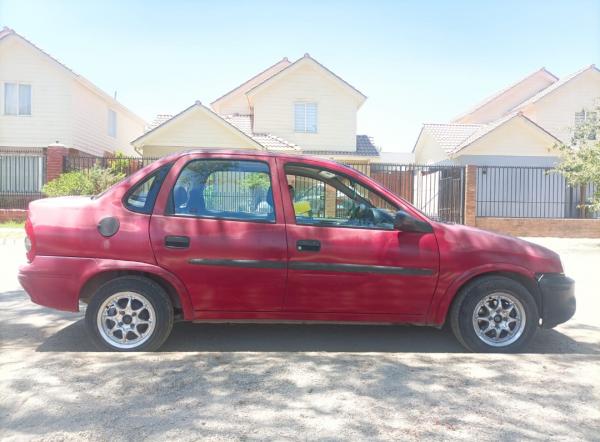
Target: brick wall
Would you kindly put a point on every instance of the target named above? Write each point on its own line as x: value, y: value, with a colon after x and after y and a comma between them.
x: 470, y: 195
x: 55, y: 155
x: 556, y: 227
x: 12, y: 215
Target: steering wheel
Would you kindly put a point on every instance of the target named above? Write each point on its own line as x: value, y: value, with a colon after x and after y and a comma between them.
x: 364, y: 214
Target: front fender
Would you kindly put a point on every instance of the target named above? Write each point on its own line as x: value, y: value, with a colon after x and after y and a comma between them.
x: 449, y: 286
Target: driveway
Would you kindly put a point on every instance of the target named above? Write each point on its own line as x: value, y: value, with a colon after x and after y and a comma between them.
x: 251, y: 382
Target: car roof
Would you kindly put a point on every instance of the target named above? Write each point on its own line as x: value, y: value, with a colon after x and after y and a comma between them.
x: 250, y: 152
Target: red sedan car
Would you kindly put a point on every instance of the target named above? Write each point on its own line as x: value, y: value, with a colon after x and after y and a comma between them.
x: 257, y: 236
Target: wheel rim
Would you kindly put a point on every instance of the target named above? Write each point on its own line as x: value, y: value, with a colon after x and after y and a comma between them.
x: 499, y: 319
x: 126, y: 320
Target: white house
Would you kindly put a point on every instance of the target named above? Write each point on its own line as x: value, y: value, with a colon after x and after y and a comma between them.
x: 520, y: 125
x: 298, y: 107
x: 43, y: 102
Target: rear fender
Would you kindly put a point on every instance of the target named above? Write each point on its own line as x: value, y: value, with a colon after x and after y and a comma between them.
x: 110, y: 265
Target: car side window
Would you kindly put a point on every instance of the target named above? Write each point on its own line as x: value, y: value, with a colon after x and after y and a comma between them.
x: 142, y: 196
x: 324, y: 198
x: 224, y: 189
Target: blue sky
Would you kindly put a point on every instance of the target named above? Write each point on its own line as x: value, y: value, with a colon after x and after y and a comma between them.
x: 417, y: 61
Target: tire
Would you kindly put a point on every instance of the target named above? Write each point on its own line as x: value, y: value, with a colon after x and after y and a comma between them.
x: 481, y: 326
x: 129, y: 313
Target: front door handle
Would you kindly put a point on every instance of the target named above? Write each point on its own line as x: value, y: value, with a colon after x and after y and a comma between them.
x: 177, y: 242
x: 308, y: 245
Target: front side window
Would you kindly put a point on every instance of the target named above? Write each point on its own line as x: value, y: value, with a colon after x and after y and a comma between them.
x: 305, y: 117
x: 324, y: 198
x: 224, y: 189
x: 112, y: 123
x: 17, y: 99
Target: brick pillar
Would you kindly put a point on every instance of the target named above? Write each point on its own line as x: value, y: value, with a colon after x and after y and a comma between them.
x: 470, y: 195
x: 55, y: 154
x: 330, y: 201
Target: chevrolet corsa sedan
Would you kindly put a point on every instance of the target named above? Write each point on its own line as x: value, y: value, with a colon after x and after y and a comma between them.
x: 213, y: 235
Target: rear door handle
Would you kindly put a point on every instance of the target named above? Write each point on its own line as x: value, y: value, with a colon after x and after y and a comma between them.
x: 308, y: 245
x: 177, y: 242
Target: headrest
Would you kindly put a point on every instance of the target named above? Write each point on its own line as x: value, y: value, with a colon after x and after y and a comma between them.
x: 196, y: 202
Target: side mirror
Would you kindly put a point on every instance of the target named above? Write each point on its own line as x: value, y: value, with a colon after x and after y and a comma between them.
x: 406, y: 223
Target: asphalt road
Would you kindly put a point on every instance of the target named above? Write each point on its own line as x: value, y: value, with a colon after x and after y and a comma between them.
x: 251, y: 382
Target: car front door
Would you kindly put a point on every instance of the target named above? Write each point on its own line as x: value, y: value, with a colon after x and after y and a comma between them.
x: 344, y: 255
x: 219, y: 227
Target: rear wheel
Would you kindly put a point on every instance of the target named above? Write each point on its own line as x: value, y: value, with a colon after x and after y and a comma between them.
x: 494, y: 314
x: 129, y: 313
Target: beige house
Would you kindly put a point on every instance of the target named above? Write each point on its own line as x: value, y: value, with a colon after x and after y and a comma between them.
x: 519, y: 126
x: 299, y: 107
x: 43, y: 102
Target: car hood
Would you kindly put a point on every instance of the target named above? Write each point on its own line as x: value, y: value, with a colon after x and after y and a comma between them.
x: 493, y: 248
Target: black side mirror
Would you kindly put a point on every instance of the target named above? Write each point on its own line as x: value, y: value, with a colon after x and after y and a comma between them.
x: 406, y: 223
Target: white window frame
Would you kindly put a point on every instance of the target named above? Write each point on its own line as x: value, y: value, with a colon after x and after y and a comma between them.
x: 584, y: 116
x: 111, y: 123
x: 18, y: 85
x: 304, y: 126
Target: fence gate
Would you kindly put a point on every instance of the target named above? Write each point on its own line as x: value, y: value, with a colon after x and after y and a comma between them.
x: 22, y: 175
x: 437, y: 191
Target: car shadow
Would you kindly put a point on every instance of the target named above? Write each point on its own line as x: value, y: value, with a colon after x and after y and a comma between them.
x: 197, y: 337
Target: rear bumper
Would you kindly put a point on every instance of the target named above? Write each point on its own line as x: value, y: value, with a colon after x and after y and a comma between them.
x: 558, y: 299
x: 54, y: 281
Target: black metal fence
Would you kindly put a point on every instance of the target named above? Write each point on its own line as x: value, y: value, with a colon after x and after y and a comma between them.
x: 438, y: 191
x: 124, y: 165
x: 530, y: 192
x: 22, y: 175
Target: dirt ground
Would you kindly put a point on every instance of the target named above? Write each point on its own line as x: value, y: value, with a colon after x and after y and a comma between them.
x: 330, y: 382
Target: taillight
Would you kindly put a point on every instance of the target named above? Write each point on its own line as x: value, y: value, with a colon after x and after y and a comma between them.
x: 29, y: 240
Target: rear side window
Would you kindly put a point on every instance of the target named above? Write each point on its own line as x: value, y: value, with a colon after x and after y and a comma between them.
x: 224, y: 189
x: 142, y: 196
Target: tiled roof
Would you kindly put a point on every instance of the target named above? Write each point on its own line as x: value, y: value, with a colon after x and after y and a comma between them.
x: 269, y: 141
x: 455, y: 137
x: 5, y: 31
x: 543, y: 71
x: 158, y: 120
x: 450, y: 136
x: 484, y: 130
x: 258, y: 78
x: 554, y: 86
x: 364, y: 148
x: 305, y: 58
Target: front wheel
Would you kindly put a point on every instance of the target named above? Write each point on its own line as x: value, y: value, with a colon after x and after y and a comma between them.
x: 129, y: 313
x: 494, y: 314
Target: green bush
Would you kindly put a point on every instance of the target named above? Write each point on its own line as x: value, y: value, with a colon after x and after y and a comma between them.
x: 82, y: 182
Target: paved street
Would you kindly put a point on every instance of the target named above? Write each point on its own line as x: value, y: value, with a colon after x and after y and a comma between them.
x: 252, y: 382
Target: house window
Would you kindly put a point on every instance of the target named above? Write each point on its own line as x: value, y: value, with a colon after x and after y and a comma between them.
x: 584, y: 117
x: 305, y: 117
x: 112, y: 123
x: 17, y: 99
x: 585, y: 125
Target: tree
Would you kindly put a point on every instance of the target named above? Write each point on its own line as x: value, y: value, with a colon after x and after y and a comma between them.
x: 580, y: 160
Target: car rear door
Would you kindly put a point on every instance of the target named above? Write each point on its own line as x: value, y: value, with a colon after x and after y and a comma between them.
x: 218, y: 226
x: 359, y: 266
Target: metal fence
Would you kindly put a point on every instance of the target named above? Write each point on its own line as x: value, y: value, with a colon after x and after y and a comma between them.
x: 22, y: 175
x: 124, y: 165
x: 529, y: 192
x: 437, y: 191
